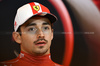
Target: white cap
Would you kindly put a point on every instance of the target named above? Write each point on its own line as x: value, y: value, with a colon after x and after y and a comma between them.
x: 29, y: 10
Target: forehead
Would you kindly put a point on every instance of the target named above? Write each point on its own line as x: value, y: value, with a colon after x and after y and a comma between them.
x: 37, y: 20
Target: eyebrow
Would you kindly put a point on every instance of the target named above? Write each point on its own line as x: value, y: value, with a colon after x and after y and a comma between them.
x: 31, y: 24
x: 46, y: 23
x: 34, y: 24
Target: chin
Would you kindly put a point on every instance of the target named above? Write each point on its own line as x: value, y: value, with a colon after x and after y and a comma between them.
x: 43, y: 51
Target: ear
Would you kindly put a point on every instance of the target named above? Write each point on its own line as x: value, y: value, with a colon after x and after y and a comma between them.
x: 52, y: 34
x: 17, y: 37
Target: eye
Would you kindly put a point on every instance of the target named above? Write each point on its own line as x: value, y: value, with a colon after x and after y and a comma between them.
x: 31, y: 29
x: 46, y: 28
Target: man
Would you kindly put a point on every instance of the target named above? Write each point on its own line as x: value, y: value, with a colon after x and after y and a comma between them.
x: 33, y: 31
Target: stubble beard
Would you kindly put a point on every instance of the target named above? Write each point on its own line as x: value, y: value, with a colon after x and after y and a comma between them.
x: 41, y: 51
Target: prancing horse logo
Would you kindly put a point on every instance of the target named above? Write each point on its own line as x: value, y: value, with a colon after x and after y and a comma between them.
x: 36, y: 7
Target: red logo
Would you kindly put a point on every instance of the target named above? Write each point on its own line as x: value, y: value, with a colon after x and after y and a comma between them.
x: 15, y: 24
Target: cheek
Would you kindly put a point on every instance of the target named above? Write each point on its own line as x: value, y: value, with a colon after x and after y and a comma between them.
x: 49, y: 37
x: 27, y: 40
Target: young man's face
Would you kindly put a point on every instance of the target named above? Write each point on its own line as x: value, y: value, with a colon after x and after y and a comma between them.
x: 36, y: 36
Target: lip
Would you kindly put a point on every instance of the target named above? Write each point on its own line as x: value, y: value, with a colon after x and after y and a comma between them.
x: 40, y: 43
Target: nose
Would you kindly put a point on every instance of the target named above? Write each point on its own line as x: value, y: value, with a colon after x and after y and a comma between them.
x: 40, y: 34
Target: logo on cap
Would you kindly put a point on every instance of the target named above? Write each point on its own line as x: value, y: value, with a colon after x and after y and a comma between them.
x: 36, y: 7
x: 15, y: 24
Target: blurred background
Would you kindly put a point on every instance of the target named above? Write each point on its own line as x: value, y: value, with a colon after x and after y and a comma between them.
x: 85, y: 20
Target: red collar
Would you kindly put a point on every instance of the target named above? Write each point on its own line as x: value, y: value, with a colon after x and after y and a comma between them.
x: 36, y: 59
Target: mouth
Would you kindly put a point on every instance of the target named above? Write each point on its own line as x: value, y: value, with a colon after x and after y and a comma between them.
x: 40, y: 43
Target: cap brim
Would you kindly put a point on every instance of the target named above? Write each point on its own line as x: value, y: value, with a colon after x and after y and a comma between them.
x: 50, y: 16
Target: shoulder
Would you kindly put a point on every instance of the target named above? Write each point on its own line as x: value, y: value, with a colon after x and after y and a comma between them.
x: 9, y: 62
